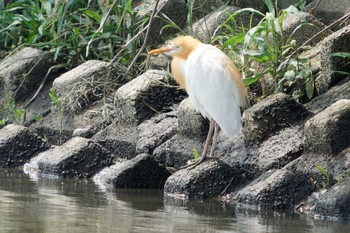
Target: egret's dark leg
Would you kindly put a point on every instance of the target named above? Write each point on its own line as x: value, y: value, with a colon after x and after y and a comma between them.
x: 206, y: 145
x: 215, y: 137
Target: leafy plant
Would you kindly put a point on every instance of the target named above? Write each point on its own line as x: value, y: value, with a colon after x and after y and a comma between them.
x: 265, y: 51
x: 328, y: 178
x: 55, y: 101
x: 3, y: 122
x: 195, y: 153
x: 341, y: 54
x: 10, y: 113
x: 72, y: 31
x: 45, y: 138
x: 301, y: 4
x: 342, y: 175
x: 296, y: 75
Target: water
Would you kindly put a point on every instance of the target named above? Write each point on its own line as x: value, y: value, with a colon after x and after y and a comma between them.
x: 36, y: 205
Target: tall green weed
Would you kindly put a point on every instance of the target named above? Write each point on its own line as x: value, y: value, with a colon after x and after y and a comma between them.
x: 264, y: 51
x: 69, y: 29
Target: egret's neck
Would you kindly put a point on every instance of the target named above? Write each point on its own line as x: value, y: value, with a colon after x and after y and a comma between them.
x: 183, y: 54
x: 178, y: 71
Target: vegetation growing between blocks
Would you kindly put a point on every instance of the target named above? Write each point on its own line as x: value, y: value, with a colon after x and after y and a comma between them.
x: 72, y: 32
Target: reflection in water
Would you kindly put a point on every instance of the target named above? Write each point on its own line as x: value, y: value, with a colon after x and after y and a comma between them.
x: 51, y: 205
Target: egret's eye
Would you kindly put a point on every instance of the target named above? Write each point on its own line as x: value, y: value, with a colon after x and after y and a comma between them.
x: 169, y: 44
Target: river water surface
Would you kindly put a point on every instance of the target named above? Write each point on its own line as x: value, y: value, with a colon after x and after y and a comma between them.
x: 43, y: 205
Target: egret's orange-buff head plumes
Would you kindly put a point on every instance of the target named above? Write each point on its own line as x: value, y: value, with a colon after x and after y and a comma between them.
x: 179, y: 47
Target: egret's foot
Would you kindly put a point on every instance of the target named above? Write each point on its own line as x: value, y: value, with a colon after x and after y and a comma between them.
x: 195, y: 164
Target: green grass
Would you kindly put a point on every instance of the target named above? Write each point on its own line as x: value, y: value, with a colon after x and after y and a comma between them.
x: 195, y: 153
x: 71, y: 31
x: 264, y: 52
x: 10, y: 113
x: 327, y: 176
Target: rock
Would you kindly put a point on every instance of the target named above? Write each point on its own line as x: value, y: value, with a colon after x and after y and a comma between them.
x: 336, y: 42
x: 274, y: 153
x: 141, y: 98
x: 119, y: 140
x: 229, y: 145
x: 177, y: 151
x: 328, y: 11
x: 155, y: 131
x: 319, y: 103
x: 291, y: 22
x: 78, y: 157
x: 18, y: 145
x: 327, y: 132
x: 87, y: 132
x: 218, y: 22
x: 209, y: 179
x: 53, y: 135
x: 190, y: 122
x: 270, y: 115
x: 41, y: 105
x: 240, y: 157
x: 22, y: 72
x: 260, y: 6
x: 281, y: 149
x: 284, y: 4
x: 277, y: 189
x: 204, y: 7
x: 175, y: 10
x: 340, y: 166
x: 159, y: 62
x: 334, y: 203
x: 84, y: 84
x: 59, y: 126
x: 143, y: 171
x: 210, y: 25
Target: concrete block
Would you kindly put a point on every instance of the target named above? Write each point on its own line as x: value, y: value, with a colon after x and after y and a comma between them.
x: 18, y: 145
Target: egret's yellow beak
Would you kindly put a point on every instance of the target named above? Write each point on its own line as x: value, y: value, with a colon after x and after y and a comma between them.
x: 160, y: 50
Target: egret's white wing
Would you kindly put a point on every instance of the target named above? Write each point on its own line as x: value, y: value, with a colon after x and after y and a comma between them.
x: 211, y: 88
